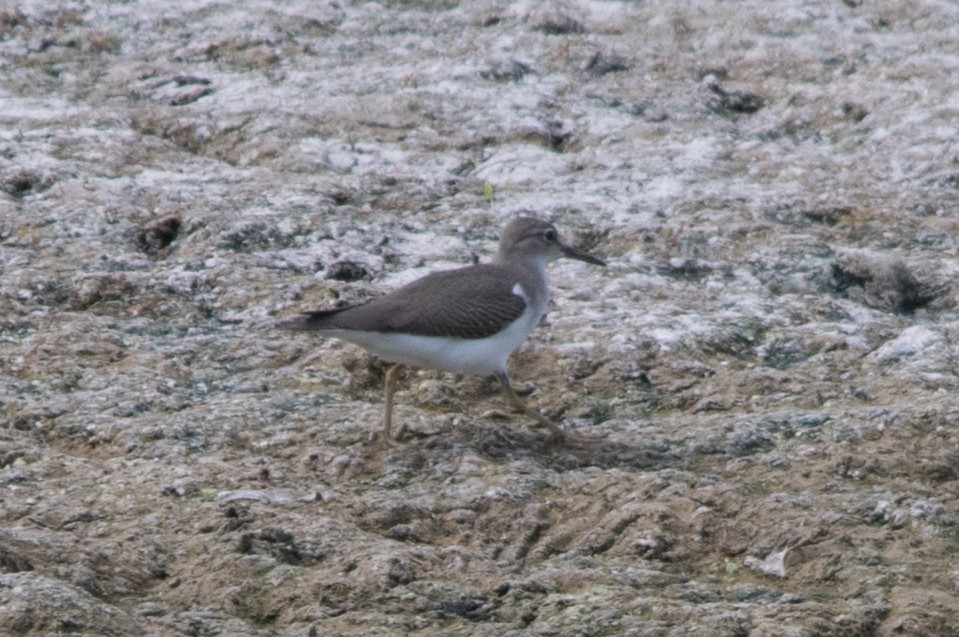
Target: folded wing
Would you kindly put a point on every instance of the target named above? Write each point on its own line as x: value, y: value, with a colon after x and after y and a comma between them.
x: 473, y: 302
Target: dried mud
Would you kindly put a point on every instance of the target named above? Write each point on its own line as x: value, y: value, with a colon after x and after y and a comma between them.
x: 770, y: 355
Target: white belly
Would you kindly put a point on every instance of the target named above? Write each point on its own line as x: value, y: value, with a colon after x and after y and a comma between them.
x: 481, y: 356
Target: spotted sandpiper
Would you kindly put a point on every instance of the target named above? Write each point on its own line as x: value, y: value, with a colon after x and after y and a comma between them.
x: 467, y: 320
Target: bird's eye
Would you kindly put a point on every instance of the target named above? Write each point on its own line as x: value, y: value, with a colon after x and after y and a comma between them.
x: 550, y: 235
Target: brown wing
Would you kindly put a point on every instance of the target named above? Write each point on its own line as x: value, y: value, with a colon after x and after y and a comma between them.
x: 471, y: 302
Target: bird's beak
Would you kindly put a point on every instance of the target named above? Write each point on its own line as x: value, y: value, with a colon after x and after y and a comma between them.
x: 580, y: 255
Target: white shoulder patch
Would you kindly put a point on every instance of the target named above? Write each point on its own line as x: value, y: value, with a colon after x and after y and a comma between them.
x: 518, y: 291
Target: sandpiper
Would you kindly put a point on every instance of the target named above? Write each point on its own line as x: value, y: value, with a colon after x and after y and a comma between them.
x: 468, y: 320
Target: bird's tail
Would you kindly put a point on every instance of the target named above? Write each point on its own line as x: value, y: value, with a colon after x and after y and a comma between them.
x: 317, y: 320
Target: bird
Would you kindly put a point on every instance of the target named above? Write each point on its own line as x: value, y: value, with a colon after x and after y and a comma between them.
x: 466, y: 320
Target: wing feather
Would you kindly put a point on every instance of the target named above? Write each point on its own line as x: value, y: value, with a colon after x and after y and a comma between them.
x: 472, y: 302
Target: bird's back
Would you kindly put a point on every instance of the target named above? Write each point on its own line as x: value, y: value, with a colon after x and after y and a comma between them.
x: 472, y: 303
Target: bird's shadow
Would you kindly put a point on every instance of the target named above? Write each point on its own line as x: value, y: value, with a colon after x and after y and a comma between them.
x: 505, y: 443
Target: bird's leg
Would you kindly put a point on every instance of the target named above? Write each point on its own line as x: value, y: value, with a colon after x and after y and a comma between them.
x: 559, y: 434
x: 519, y: 404
x: 391, y: 375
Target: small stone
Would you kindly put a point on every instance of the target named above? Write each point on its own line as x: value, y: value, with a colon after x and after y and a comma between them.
x: 159, y: 235
x: 506, y: 71
x: 348, y: 271
x: 773, y: 564
x: 600, y: 64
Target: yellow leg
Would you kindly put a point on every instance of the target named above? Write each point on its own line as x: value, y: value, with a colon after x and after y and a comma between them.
x: 391, y: 375
x: 558, y: 433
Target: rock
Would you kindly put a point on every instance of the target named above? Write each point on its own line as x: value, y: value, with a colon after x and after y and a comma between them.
x: 773, y: 564
x: 879, y: 282
x: 34, y: 604
x: 506, y: 70
x: 159, y: 235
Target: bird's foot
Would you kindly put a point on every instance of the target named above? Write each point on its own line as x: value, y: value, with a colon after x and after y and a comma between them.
x: 388, y: 438
x: 562, y: 437
x: 558, y: 435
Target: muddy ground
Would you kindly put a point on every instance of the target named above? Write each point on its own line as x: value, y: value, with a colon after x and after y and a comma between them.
x: 771, y: 354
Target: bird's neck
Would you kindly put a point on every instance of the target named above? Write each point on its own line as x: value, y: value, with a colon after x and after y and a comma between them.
x: 533, y: 264
x: 530, y: 272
